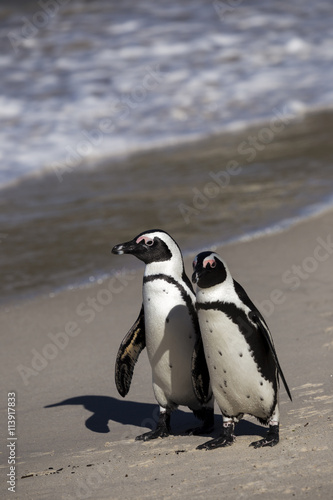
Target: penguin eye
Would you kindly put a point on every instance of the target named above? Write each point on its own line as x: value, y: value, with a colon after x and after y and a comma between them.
x: 213, y: 264
x: 149, y: 243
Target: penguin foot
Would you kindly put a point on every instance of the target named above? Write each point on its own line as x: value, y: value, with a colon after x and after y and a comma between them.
x: 219, y: 442
x: 271, y: 439
x: 226, y: 439
x: 162, y: 430
x: 157, y: 433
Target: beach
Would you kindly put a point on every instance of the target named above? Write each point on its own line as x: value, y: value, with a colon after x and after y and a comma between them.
x: 209, y: 121
x: 75, y: 434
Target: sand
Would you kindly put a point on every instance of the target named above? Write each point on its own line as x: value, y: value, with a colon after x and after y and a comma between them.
x: 75, y: 434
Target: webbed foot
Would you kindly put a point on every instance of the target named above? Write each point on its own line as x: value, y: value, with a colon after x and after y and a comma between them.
x: 154, y: 434
x: 162, y: 430
x: 226, y: 439
x: 271, y: 439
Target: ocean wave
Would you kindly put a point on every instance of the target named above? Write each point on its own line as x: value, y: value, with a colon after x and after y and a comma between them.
x: 152, y: 77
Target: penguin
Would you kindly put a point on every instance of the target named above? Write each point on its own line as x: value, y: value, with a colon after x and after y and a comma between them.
x: 168, y: 327
x: 242, y: 361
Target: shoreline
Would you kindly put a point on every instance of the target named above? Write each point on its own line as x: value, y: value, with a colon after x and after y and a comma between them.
x: 59, y: 234
x: 85, y: 283
x: 300, y: 121
x: 76, y: 434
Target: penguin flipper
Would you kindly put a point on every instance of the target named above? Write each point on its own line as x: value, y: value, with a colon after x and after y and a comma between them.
x: 262, y: 327
x: 128, y: 353
x: 257, y: 318
x: 200, y: 373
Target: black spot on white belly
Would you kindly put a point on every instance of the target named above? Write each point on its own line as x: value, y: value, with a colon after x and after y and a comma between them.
x: 214, y: 367
x: 248, y: 397
x: 224, y: 371
x: 225, y: 383
x: 220, y: 353
x: 261, y: 383
x: 240, y: 355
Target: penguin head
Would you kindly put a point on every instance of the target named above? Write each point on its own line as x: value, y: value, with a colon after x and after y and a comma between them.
x: 150, y: 246
x: 208, y: 270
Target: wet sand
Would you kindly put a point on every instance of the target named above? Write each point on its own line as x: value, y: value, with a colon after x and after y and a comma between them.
x: 55, y: 234
x: 75, y: 434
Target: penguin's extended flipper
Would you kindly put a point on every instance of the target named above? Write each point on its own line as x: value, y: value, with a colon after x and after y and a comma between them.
x: 263, y: 328
x: 130, y: 348
x: 200, y: 373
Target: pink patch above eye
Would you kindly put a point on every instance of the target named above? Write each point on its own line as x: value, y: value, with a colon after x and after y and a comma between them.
x: 143, y: 238
x: 209, y: 261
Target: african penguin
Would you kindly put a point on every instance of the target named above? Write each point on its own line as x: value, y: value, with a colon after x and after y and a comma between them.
x: 243, y: 365
x: 168, y: 326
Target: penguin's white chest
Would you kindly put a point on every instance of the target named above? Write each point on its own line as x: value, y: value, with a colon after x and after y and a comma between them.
x: 237, y: 383
x: 170, y: 339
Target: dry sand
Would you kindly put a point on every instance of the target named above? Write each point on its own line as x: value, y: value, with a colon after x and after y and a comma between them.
x: 82, y: 445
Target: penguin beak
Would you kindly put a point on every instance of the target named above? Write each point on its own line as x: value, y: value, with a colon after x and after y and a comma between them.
x: 128, y: 247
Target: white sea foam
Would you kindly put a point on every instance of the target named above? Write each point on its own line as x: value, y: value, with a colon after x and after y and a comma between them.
x: 211, y: 75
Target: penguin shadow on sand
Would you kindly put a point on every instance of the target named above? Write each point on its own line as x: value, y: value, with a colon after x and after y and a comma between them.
x: 144, y: 415
x: 106, y: 408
